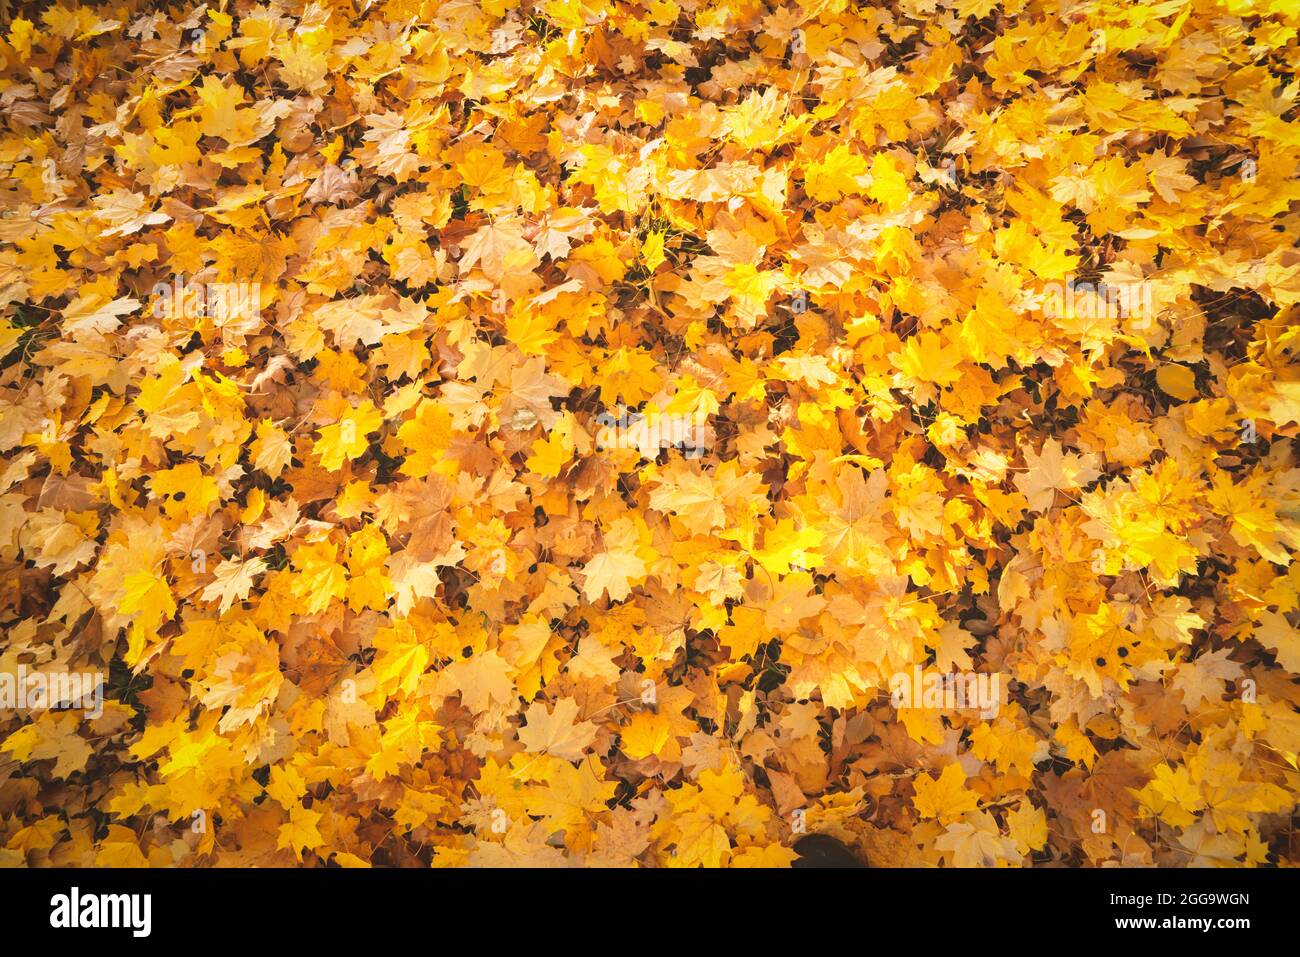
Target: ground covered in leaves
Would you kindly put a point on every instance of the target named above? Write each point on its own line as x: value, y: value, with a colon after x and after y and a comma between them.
x: 369, y: 587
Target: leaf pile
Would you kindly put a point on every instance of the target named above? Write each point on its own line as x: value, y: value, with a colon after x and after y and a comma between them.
x: 368, y: 586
